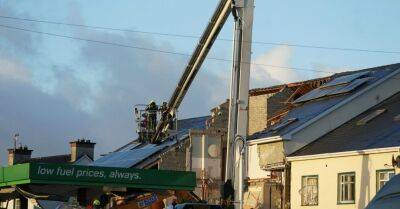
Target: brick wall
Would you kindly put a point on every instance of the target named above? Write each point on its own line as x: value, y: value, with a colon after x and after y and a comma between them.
x: 219, y: 117
x: 263, y: 107
x: 257, y: 113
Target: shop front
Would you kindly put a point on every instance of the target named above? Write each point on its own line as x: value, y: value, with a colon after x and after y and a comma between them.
x: 36, y: 185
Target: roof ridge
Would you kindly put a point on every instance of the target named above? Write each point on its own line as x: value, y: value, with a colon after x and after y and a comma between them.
x: 51, y: 156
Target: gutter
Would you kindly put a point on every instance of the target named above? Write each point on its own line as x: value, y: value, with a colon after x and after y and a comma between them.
x: 344, y: 154
x: 265, y: 140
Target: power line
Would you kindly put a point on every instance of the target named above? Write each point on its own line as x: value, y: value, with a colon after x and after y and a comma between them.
x: 197, y: 37
x: 155, y: 50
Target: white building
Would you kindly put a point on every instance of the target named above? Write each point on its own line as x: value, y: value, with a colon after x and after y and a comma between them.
x: 348, y: 166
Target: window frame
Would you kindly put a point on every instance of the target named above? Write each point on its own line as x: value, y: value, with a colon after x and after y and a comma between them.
x: 377, y: 177
x: 339, y: 202
x: 301, y: 195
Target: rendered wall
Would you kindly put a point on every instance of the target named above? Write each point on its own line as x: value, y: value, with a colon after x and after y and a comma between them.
x: 327, y: 169
x: 271, y: 154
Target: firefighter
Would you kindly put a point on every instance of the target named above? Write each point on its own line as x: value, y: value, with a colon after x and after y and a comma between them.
x: 151, y: 116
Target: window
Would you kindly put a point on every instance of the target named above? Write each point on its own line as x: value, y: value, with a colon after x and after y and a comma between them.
x: 309, y: 190
x: 346, y: 188
x: 383, y: 176
x: 17, y: 203
x: 371, y: 116
x: 397, y: 118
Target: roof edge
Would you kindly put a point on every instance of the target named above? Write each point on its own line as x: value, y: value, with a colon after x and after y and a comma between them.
x: 344, y: 154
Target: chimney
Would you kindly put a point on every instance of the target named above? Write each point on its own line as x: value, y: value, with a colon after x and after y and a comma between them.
x: 19, y: 155
x: 80, y: 148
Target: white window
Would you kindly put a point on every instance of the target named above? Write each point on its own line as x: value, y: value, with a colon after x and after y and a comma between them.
x: 382, y: 177
x: 346, y: 188
x: 17, y: 203
x: 309, y: 190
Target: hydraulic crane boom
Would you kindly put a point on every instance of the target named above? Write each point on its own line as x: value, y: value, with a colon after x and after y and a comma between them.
x: 196, y: 60
x: 242, y: 11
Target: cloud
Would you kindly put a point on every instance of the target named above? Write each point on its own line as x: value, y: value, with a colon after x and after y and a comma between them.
x: 45, y: 122
x: 12, y: 70
x: 22, y: 42
x: 92, y: 95
x: 266, y: 74
x: 328, y: 68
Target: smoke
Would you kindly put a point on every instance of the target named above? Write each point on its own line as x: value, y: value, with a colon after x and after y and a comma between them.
x: 268, y: 74
x: 13, y: 70
x: 51, y: 101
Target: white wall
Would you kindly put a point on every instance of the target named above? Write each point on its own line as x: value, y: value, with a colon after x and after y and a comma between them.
x: 327, y: 169
x: 254, y: 170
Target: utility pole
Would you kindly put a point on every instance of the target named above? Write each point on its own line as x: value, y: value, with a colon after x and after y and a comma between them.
x: 236, y: 162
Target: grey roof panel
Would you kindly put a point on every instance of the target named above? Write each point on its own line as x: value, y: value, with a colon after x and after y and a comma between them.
x: 345, y: 79
x: 353, y: 85
x: 50, y: 159
x: 129, y: 146
x: 127, y: 158
x: 324, y: 91
x: 303, y: 114
x: 134, y: 152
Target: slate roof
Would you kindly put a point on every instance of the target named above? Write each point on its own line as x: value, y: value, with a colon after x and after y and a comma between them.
x: 134, y: 152
x: 380, y: 132
x: 51, y: 159
x: 308, y: 110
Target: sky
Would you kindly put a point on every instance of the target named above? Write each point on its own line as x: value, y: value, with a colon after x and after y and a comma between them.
x: 54, y: 89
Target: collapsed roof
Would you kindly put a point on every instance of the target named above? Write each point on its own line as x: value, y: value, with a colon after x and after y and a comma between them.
x: 377, y: 127
x: 317, y: 101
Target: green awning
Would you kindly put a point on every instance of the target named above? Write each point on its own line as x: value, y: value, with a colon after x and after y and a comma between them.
x: 38, y: 173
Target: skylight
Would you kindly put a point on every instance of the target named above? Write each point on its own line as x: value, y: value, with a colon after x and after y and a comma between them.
x: 345, y: 79
x: 333, y: 90
x: 397, y: 117
x: 371, y: 116
x: 284, y: 124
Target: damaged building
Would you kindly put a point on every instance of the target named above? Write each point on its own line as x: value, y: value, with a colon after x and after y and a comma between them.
x: 307, y: 118
x: 199, y: 144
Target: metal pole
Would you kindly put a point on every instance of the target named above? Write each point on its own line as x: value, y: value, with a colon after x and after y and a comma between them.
x: 239, y: 98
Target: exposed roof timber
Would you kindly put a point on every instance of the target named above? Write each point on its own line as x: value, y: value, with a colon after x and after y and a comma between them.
x: 301, y: 90
x: 274, y: 89
x: 278, y: 116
